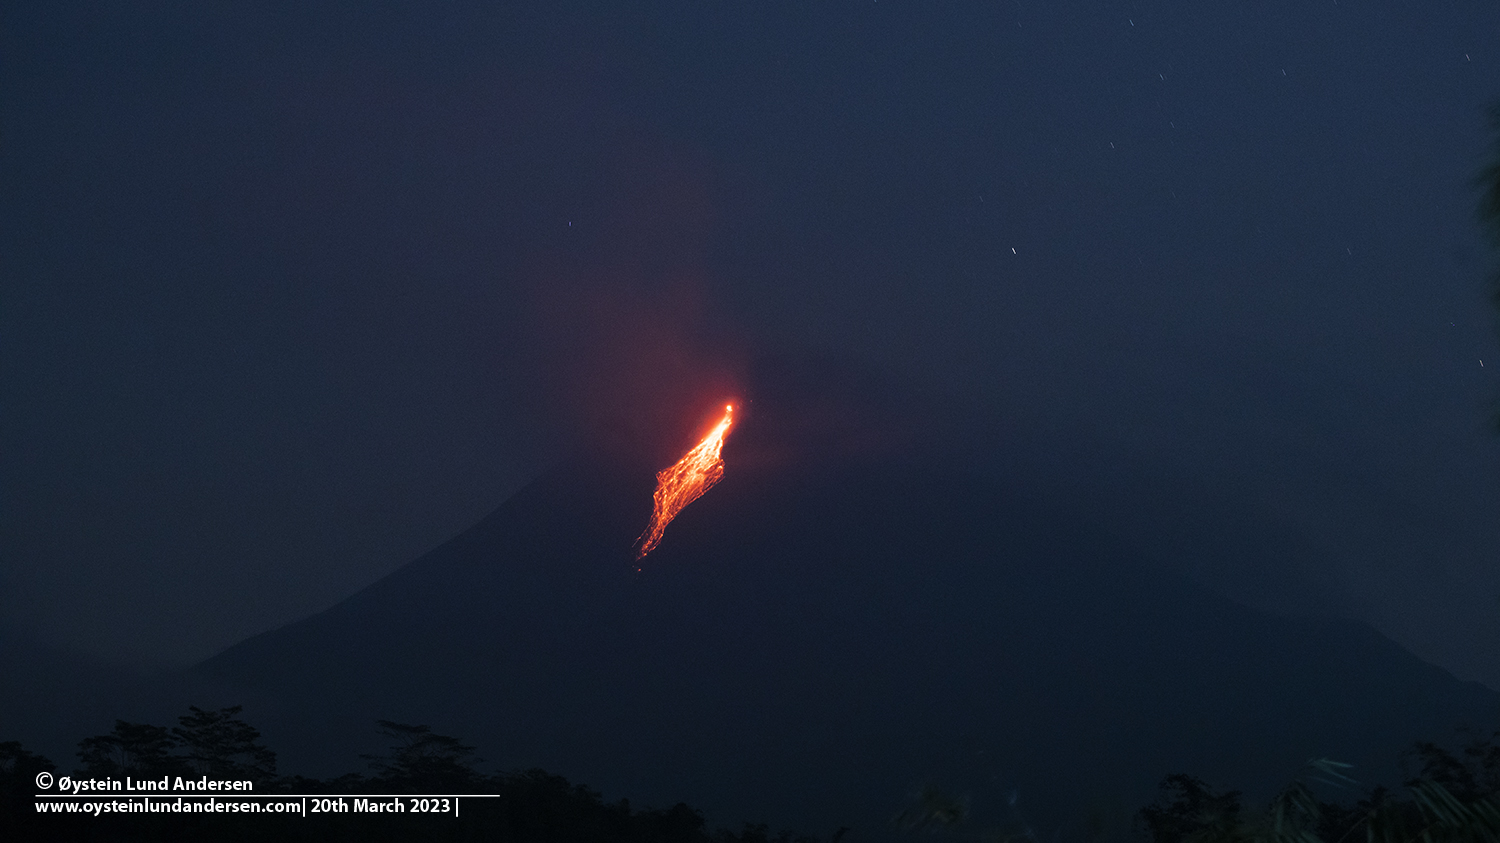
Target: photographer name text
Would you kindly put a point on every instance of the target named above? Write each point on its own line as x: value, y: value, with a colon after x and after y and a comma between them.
x: 165, y: 784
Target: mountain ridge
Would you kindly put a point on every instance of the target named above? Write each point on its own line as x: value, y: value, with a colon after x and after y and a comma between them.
x: 806, y: 646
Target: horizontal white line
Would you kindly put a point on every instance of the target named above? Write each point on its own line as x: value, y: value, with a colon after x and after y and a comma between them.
x: 233, y: 795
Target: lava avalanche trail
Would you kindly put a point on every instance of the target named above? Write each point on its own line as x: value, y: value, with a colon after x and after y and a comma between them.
x: 686, y: 481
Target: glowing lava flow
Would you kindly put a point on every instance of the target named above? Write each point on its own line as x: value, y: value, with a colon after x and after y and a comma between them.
x: 686, y: 481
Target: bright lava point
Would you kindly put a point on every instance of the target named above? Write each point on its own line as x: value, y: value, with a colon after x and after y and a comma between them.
x: 686, y: 481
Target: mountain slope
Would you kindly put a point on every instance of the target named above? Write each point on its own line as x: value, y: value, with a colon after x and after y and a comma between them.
x: 809, y: 644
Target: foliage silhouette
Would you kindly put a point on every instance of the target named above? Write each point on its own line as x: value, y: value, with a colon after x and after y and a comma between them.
x: 423, y: 760
x: 218, y: 744
x: 1453, y: 799
x: 533, y: 805
x: 932, y: 810
x: 18, y: 772
x: 1189, y: 810
x: 138, y: 750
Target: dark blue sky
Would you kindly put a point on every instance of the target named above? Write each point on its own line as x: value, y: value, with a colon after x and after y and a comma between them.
x: 293, y: 294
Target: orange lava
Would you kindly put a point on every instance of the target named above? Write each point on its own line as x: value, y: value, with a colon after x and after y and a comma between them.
x: 686, y: 481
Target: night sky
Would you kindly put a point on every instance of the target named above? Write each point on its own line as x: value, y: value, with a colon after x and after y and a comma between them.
x: 293, y: 293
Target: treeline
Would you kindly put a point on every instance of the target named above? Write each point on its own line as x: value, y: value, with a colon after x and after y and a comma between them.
x: 533, y: 805
x: 1451, y: 796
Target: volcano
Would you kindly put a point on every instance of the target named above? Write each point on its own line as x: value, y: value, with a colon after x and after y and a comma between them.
x: 816, y: 639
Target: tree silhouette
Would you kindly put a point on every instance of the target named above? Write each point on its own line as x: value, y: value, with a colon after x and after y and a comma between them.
x: 1188, y: 810
x: 220, y: 745
x: 1452, y: 800
x: 423, y: 760
x: 534, y: 806
x: 932, y: 810
x: 1471, y: 774
x: 139, y: 750
x: 18, y: 772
